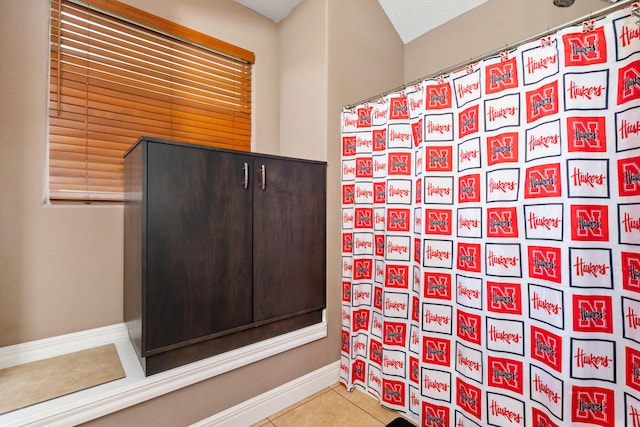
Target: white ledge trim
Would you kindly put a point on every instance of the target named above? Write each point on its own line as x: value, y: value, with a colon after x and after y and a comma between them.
x: 138, y: 390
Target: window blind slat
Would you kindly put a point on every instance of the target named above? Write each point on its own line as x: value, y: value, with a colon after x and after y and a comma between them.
x: 148, y: 51
x: 75, y: 86
x: 112, y: 81
x: 100, y: 44
x: 103, y: 75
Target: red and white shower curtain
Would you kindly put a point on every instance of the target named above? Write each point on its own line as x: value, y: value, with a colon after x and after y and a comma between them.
x: 491, y: 238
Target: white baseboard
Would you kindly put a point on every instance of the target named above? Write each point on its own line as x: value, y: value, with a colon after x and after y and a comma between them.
x: 135, y: 388
x: 260, y: 407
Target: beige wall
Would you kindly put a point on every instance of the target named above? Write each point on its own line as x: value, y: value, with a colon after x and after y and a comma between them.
x: 489, y: 27
x: 303, y: 81
x: 60, y: 266
x: 365, y: 55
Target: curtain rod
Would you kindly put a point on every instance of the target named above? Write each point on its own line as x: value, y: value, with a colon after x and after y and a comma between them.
x: 598, y: 14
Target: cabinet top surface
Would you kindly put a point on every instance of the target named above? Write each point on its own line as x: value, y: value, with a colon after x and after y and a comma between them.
x: 145, y: 140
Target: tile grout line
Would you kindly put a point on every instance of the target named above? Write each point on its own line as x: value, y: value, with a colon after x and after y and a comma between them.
x: 363, y: 409
x: 297, y: 405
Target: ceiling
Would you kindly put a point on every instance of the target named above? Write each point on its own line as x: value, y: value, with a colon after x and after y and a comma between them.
x: 410, y: 18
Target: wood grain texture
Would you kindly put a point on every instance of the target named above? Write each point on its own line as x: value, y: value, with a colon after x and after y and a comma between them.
x: 214, y: 260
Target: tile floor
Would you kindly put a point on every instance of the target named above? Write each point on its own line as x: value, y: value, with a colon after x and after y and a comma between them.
x: 333, y: 406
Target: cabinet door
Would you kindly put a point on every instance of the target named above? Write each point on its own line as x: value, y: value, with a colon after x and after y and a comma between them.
x: 198, y: 256
x: 289, y: 238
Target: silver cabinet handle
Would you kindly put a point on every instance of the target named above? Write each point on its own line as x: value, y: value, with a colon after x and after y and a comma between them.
x: 245, y: 184
x: 263, y: 177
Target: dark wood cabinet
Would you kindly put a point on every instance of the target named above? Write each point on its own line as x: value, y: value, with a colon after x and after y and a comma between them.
x: 288, y: 238
x: 222, y: 249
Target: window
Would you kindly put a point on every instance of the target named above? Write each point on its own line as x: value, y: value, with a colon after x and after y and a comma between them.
x: 118, y: 73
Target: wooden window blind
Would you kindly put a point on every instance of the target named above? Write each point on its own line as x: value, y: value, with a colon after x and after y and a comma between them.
x: 118, y: 73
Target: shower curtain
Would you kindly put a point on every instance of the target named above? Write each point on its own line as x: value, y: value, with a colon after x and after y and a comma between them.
x: 491, y: 237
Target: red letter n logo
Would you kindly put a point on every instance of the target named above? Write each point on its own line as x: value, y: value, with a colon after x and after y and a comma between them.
x: 585, y: 48
x: 546, y: 348
x: 438, y: 97
x: 542, y: 102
